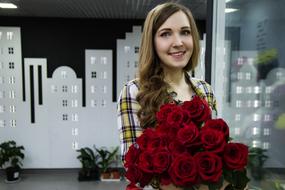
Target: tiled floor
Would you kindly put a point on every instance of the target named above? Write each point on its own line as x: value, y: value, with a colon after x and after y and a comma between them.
x: 60, y: 181
x: 68, y: 181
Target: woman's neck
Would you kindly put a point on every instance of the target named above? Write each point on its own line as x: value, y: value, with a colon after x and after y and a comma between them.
x: 175, y: 78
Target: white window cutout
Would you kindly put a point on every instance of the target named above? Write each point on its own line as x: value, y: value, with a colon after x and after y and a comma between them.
x: 267, y: 117
x: 12, y: 109
x: 237, y: 117
x: 12, y: 80
x: 256, y: 117
x: 92, y: 60
x: 74, y: 132
x: 103, y: 60
x: 53, y: 88
x: 255, y: 131
x: 127, y: 49
x: 63, y: 74
x: 237, y: 131
x: 238, y: 103
x: 266, y: 131
x: 10, y: 35
x: 74, y: 88
x: 0, y: 35
x: 74, y: 117
x: 75, y: 145
x: 266, y: 145
x: 13, y: 123
x: 74, y: 103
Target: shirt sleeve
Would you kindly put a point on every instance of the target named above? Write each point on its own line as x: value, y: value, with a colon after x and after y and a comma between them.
x: 128, y: 124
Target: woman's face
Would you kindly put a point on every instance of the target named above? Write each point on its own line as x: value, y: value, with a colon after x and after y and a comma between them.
x: 173, y: 42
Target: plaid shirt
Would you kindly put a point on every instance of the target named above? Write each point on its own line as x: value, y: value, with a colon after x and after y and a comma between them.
x: 127, y: 109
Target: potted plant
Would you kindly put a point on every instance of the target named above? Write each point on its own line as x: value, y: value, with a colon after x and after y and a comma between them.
x: 11, y: 156
x: 106, y: 159
x: 90, y: 169
x: 256, y: 161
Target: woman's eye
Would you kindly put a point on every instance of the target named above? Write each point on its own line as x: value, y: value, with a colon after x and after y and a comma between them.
x: 186, y: 32
x: 165, y: 34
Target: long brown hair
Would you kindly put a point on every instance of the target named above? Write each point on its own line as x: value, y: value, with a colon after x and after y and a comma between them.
x: 153, y: 90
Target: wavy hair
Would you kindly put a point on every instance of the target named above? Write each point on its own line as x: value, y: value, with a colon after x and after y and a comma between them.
x: 153, y: 90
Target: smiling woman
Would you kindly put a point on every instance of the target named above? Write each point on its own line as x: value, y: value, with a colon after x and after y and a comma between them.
x: 169, y: 50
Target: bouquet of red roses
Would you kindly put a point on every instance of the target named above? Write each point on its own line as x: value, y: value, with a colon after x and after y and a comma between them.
x: 187, y: 148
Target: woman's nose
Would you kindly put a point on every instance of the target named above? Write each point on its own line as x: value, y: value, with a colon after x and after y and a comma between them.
x: 177, y: 40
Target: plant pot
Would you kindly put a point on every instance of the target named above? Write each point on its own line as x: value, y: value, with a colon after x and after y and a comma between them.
x: 106, y: 175
x: 116, y: 175
x: 89, y: 175
x: 257, y: 173
x: 12, y: 174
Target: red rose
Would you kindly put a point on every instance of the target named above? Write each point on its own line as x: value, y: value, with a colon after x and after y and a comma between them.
x: 209, y: 166
x: 198, y: 110
x: 218, y: 124
x: 163, y: 112
x: 161, y: 160
x: 183, y: 170
x: 157, y: 141
x: 132, y: 155
x: 133, y: 174
x: 169, y: 131
x: 175, y: 147
x: 133, y: 187
x: 188, y: 135
x: 213, y: 140
x: 176, y: 116
x: 144, y: 138
x: 145, y: 162
x: 235, y: 156
x: 165, y: 179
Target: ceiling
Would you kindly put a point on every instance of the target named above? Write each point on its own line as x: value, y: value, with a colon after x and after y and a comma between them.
x: 109, y: 9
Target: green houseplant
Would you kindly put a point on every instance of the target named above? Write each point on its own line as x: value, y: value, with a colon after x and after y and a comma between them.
x: 256, y: 161
x: 11, y: 156
x: 90, y: 169
x: 106, y: 159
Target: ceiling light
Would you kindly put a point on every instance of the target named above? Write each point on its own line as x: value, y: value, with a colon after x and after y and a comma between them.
x: 8, y: 6
x: 230, y: 10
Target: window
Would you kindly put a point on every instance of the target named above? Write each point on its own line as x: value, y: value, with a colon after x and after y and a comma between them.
x: 93, y: 89
x: 12, y: 109
x: 74, y: 117
x: 64, y: 88
x: 64, y: 103
x: 1, y: 80
x: 9, y: 35
x: 74, y: 89
x: 74, y: 103
x: 93, y: 74
x: 11, y: 65
x: 137, y: 49
x: 64, y: 117
x: 103, y: 60
x: 93, y: 103
x: 74, y: 131
x: 13, y: 123
x: 92, y: 60
x: 12, y: 80
x: 63, y: 74
x: 75, y: 145
x: 10, y: 50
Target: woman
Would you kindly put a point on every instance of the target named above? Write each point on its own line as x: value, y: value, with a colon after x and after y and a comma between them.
x: 169, y: 50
